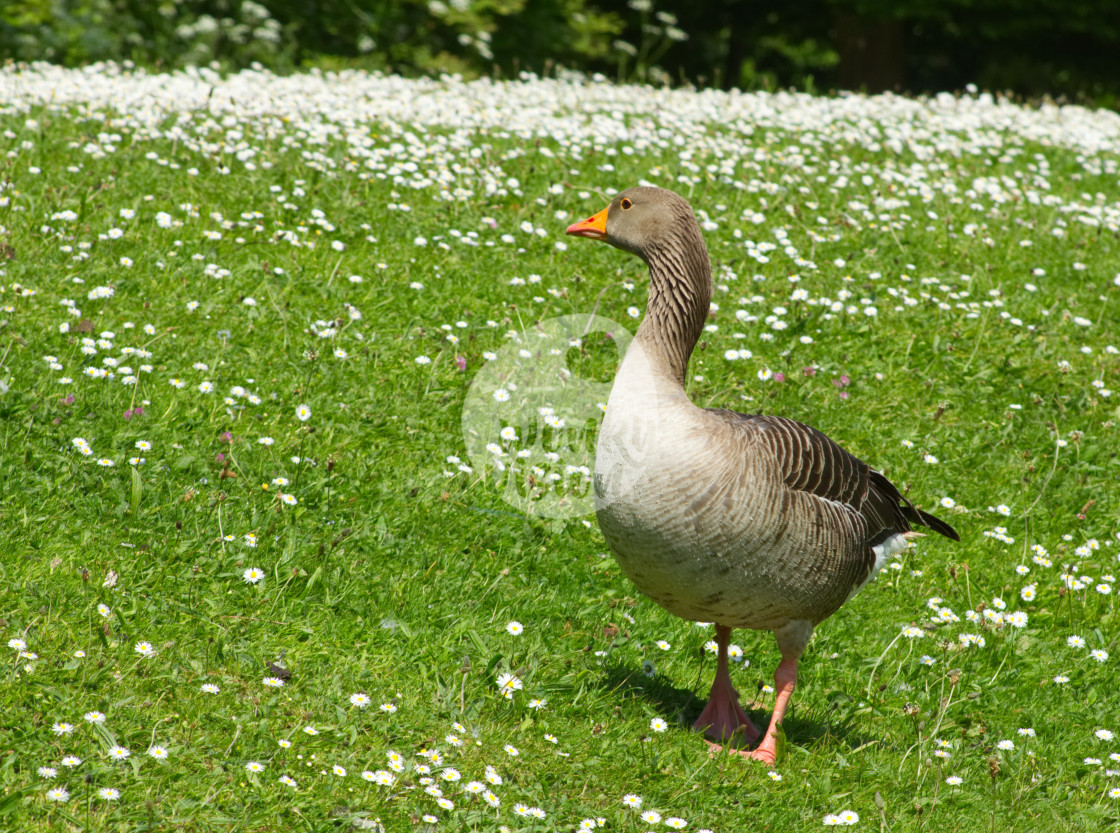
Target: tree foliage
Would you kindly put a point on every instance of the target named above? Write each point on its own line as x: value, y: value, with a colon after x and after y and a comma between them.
x: 1034, y: 47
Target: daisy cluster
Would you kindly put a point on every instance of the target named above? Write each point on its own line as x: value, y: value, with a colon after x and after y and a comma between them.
x: 94, y: 737
x: 112, y: 368
x: 1045, y: 581
x: 895, y: 185
x: 450, y: 781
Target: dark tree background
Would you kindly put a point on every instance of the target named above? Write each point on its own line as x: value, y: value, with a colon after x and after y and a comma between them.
x: 1032, y: 47
x: 1061, y: 48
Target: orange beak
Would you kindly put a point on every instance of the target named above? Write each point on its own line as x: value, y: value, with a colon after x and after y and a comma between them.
x: 593, y: 227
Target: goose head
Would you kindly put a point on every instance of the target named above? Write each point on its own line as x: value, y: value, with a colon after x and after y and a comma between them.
x: 659, y: 227
x: 642, y: 221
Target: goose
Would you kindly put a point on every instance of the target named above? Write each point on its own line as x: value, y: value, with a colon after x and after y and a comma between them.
x: 744, y: 520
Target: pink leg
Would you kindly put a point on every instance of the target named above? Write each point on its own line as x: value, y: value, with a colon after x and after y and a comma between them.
x: 723, y: 716
x: 792, y: 639
x: 785, y: 678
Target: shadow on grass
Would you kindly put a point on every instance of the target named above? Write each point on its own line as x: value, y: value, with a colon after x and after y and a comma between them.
x: 682, y: 707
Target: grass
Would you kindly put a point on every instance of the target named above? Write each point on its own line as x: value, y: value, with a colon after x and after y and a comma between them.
x: 983, y: 383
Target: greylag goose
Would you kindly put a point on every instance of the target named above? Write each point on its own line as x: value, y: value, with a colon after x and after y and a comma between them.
x: 745, y: 520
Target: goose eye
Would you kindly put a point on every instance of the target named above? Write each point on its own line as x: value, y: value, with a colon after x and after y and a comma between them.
x: 625, y: 204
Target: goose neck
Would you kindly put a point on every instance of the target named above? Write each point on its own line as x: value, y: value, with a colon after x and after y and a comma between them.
x: 680, y: 296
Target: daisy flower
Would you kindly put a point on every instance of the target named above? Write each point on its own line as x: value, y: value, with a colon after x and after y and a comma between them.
x: 254, y: 766
x: 360, y: 700
x: 508, y: 684
x: 515, y: 628
x: 108, y: 794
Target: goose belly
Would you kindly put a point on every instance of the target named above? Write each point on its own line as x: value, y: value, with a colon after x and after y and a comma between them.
x: 687, y: 550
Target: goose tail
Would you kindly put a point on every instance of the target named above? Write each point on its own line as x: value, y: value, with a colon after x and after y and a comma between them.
x: 932, y: 522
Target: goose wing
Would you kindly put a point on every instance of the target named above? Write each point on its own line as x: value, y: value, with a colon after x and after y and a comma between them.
x: 808, y: 461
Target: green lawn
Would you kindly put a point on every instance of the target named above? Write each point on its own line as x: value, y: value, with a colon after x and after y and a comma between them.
x: 239, y: 319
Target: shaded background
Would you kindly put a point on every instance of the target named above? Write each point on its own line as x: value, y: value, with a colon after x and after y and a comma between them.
x: 1061, y: 48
